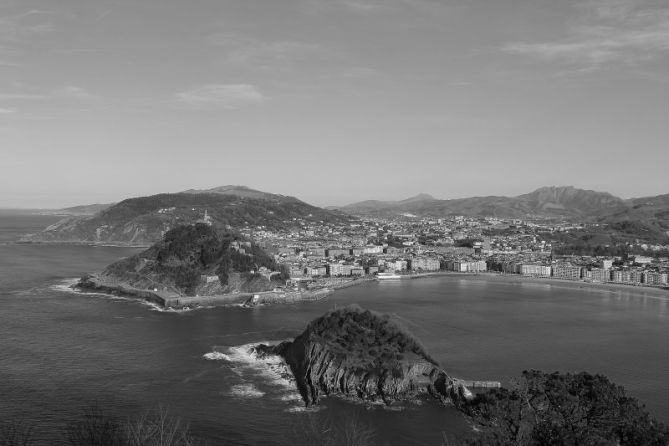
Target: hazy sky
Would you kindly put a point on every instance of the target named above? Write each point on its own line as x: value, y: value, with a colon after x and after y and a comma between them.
x: 332, y: 101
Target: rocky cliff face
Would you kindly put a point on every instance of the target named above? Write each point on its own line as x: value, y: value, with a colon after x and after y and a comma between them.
x: 362, y: 354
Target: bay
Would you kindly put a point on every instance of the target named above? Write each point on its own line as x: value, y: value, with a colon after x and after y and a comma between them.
x: 62, y: 351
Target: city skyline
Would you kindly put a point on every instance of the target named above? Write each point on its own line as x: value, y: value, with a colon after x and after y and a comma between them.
x: 331, y: 101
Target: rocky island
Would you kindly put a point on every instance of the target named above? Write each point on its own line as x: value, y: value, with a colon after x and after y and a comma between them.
x: 366, y: 356
x: 191, y: 263
x: 351, y: 352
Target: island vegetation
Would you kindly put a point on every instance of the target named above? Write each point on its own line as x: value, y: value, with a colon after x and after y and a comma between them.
x: 193, y: 259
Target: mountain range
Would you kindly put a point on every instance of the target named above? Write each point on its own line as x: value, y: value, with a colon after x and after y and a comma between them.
x: 144, y: 220
x: 646, y: 216
x: 547, y: 201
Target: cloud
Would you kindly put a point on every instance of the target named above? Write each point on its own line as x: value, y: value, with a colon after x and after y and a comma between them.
x: 7, y: 111
x: 16, y: 27
x: 72, y: 92
x: 348, y: 6
x: 221, y: 96
x: 242, y: 50
x: 627, y: 32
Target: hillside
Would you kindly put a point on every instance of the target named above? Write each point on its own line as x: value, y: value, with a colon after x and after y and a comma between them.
x: 144, y: 220
x: 87, y: 209
x: 196, y: 259
x: 646, y: 217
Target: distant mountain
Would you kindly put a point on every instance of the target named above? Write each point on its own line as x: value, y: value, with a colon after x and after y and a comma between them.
x: 551, y: 201
x: 87, y: 209
x: 382, y: 207
x: 237, y: 191
x: 144, y: 220
x: 569, y: 200
x: 645, y: 218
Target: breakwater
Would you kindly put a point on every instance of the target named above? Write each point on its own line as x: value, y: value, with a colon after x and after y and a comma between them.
x: 171, y: 299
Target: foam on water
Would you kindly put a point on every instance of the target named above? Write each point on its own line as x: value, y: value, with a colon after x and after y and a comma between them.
x: 215, y: 356
x: 65, y: 285
x: 271, y: 370
x: 246, y: 391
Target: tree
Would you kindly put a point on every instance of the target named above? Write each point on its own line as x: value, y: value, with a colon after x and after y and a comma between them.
x: 563, y: 409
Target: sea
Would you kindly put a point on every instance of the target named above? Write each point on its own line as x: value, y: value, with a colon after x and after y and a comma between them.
x: 62, y: 352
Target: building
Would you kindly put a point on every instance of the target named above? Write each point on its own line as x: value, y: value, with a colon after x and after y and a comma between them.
x: 335, y: 252
x: 654, y: 278
x: 475, y: 266
x: 598, y: 274
x: 296, y: 271
x: 606, y: 264
x: 425, y: 264
x: 314, y: 271
x: 335, y: 269
x: 566, y: 271
x: 318, y: 252
x: 373, y: 250
x: 626, y: 276
x: 535, y: 270
x: 396, y: 265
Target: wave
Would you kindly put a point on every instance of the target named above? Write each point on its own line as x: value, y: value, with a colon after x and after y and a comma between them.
x: 270, y: 370
x: 65, y: 285
x: 215, y: 356
x: 246, y: 391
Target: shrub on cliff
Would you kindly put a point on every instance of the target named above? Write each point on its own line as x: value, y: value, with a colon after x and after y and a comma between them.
x: 563, y: 409
x: 366, y: 339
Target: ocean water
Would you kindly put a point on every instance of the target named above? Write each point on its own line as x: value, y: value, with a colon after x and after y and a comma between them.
x: 62, y: 351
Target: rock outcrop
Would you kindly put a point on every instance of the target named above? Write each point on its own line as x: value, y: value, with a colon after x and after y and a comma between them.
x: 362, y: 354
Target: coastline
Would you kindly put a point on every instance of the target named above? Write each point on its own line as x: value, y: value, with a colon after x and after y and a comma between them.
x: 174, y: 300
x: 80, y: 243
x: 638, y: 288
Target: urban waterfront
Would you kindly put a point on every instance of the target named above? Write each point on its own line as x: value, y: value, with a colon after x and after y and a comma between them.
x: 65, y: 351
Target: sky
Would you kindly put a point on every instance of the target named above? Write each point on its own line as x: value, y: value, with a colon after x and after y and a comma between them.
x: 331, y: 101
